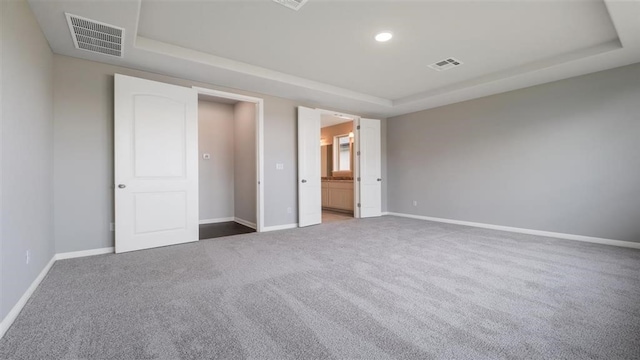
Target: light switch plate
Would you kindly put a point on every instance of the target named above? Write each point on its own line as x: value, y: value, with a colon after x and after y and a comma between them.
x: 279, y: 166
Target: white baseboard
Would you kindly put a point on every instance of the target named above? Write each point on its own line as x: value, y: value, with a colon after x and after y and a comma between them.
x: 15, y: 311
x: 385, y: 213
x: 279, y: 227
x: 77, y: 254
x: 627, y: 244
x: 245, y: 223
x: 215, y: 221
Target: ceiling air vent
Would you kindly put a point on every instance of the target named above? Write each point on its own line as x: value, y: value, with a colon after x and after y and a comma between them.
x: 292, y: 4
x: 446, y: 64
x: 95, y: 36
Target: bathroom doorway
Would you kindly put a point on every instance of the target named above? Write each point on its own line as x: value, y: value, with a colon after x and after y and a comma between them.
x: 352, y: 183
x: 337, y: 167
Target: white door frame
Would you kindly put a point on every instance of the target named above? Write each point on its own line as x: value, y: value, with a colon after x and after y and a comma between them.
x: 356, y: 158
x: 356, y: 170
x: 259, y: 144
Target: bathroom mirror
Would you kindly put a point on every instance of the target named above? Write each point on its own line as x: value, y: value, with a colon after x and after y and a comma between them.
x: 342, y: 153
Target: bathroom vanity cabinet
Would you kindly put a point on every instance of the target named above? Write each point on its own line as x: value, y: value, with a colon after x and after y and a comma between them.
x: 337, y: 195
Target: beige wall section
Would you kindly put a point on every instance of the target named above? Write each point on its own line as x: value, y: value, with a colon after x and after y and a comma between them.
x: 329, y: 132
x: 26, y: 165
x: 326, y: 160
x: 216, y: 178
x: 560, y: 157
x: 245, y: 162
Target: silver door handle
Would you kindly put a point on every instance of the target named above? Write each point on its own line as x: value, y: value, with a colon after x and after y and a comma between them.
x: 303, y: 181
x: 122, y: 186
x: 379, y: 179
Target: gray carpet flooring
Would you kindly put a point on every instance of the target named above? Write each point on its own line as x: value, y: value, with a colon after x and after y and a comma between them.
x: 363, y: 289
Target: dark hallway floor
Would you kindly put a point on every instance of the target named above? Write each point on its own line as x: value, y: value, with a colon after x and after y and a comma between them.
x: 211, y: 231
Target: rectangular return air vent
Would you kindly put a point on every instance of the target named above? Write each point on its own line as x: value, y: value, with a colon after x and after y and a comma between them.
x: 446, y: 64
x: 95, y: 36
x: 292, y: 4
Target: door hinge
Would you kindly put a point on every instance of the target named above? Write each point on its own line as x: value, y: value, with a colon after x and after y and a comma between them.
x: 358, y: 204
x: 358, y: 179
x: 358, y: 153
x: 358, y: 127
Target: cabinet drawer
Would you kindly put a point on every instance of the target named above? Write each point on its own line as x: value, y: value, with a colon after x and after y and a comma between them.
x: 340, y: 185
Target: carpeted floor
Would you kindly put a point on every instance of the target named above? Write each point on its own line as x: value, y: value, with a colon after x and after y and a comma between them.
x: 370, y: 289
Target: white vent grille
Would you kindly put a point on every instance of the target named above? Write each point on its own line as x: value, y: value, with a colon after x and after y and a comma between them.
x: 292, y: 4
x: 446, y: 64
x: 95, y: 36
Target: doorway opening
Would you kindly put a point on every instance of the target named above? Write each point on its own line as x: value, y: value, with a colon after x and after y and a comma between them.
x: 337, y: 167
x: 229, y: 163
x: 343, y: 172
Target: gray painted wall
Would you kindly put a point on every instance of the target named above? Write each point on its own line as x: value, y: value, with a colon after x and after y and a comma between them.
x: 561, y: 157
x: 83, y: 152
x: 216, y: 178
x: 26, y: 148
x: 245, y: 161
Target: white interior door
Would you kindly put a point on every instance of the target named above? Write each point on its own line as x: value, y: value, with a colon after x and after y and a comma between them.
x: 370, y: 168
x: 156, y: 164
x: 309, y: 184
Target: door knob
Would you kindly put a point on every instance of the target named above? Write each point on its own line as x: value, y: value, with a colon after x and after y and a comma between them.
x: 379, y: 179
x: 122, y: 186
x: 304, y: 181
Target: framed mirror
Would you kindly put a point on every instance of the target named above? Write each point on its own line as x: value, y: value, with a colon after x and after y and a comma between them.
x: 342, y: 153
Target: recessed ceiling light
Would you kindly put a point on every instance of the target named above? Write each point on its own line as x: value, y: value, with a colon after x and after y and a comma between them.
x: 384, y: 36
